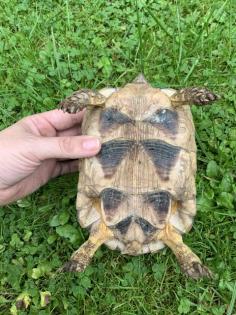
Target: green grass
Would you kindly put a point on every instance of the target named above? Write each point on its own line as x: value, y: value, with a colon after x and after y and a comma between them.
x: 50, y: 48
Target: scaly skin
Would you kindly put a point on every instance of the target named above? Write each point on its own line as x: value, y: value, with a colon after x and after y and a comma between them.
x: 193, y: 95
x: 82, y: 257
x: 80, y: 100
x: 190, y: 264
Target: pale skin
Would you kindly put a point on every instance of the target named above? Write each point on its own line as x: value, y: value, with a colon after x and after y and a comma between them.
x: 38, y: 148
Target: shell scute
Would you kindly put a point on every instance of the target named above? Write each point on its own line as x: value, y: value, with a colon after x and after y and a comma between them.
x: 111, y: 118
x: 165, y: 119
x: 112, y: 153
x: 163, y: 155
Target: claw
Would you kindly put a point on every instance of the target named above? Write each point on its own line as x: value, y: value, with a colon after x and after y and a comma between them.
x: 197, y: 270
x: 71, y: 266
x: 194, y: 95
x: 80, y: 100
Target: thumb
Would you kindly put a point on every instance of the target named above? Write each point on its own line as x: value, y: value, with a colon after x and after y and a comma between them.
x: 67, y: 147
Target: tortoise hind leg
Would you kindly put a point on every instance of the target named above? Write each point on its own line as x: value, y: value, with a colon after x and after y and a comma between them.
x: 189, y: 262
x: 81, y: 258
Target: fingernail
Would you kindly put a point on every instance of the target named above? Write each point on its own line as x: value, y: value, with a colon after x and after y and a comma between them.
x: 91, y: 144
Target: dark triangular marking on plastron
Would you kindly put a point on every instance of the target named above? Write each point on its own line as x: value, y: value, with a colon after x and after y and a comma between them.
x: 111, y: 117
x: 123, y: 225
x: 163, y: 155
x: 112, y: 153
x: 111, y: 199
x: 160, y: 201
x: 164, y: 119
x: 146, y: 227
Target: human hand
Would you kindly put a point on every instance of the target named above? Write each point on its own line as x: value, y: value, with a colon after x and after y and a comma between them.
x: 40, y: 147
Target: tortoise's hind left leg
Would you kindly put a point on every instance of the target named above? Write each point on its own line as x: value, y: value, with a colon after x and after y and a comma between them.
x: 189, y: 262
x: 81, y: 258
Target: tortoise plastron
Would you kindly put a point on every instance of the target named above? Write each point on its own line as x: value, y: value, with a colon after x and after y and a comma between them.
x: 138, y: 194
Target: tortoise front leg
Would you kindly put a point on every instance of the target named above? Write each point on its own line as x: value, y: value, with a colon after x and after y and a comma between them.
x: 81, y: 258
x: 81, y: 99
x: 193, y: 95
x: 189, y: 262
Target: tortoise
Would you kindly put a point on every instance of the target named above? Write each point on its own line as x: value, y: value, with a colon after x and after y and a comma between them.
x: 138, y: 193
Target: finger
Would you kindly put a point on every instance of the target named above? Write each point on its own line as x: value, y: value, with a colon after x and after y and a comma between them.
x: 67, y: 147
x: 73, y: 131
x: 62, y: 168
x: 57, y: 119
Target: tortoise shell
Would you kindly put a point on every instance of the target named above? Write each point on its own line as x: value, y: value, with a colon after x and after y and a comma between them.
x: 144, y: 174
x: 138, y: 194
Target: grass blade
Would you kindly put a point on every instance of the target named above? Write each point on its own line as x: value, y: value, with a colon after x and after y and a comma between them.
x: 160, y: 24
x: 140, y: 39
x: 232, y: 302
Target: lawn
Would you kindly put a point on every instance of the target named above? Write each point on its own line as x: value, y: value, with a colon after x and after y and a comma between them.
x: 50, y: 48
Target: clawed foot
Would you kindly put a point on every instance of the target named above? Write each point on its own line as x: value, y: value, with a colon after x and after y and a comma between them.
x: 72, y: 266
x: 196, y: 270
x: 193, y: 95
x: 69, y: 106
x: 202, y: 96
x: 81, y: 99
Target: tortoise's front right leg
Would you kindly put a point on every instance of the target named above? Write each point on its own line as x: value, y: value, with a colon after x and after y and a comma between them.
x: 81, y: 258
x: 193, y: 95
x: 81, y: 99
x: 189, y: 262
